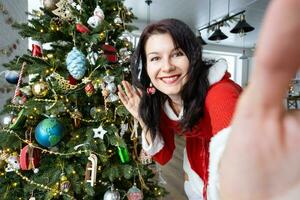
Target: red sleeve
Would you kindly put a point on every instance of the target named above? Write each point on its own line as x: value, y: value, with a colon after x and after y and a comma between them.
x: 167, y: 132
x: 220, y: 104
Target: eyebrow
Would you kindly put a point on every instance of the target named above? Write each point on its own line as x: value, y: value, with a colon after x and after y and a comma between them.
x: 152, y: 53
x: 175, y: 49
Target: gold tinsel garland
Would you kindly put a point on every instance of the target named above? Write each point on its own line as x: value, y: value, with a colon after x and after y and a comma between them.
x: 55, y: 191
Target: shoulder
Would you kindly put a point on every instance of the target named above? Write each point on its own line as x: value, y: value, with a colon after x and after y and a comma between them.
x: 223, y: 89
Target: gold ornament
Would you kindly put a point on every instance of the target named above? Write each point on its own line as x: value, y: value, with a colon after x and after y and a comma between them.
x: 63, y: 84
x: 64, y: 183
x: 102, y: 36
x: 40, y: 89
x: 77, y: 116
x: 63, y: 10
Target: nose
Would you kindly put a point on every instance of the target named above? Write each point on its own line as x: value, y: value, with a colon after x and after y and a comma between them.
x: 167, y: 65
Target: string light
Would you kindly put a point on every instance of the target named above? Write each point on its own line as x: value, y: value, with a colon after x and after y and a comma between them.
x: 42, y: 186
x: 44, y: 150
x: 51, y: 152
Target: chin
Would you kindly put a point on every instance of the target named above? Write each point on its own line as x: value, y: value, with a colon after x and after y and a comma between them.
x: 169, y: 92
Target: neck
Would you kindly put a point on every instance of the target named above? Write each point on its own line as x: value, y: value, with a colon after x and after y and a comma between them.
x: 176, y: 105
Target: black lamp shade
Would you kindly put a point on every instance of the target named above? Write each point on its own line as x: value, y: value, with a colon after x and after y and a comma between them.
x: 242, y: 27
x: 218, y: 35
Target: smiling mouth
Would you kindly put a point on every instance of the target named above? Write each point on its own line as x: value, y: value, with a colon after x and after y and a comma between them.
x: 170, y: 79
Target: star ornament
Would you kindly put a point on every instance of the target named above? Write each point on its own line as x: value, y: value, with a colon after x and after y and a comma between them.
x: 86, y: 80
x: 99, y: 132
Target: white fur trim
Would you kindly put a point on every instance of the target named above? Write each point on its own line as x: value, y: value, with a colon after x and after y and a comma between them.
x: 217, y: 71
x: 38, y: 43
x: 170, y: 113
x: 155, y: 147
x: 189, y: 191
x: 194, y: 179
x: 216, y: 149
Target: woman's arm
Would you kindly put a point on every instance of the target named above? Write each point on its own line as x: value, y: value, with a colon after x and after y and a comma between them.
x: 161, y: 148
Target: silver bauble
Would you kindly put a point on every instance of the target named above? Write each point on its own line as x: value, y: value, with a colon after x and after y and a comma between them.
x: 111, y: 87
x: 50, y: 4
x: 6, y: 119
x: 111, y: 194
x: 118, y: 20
x: 108, y: 79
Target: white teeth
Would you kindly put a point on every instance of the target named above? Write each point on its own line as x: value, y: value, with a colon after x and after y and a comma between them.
x: 170, y: 79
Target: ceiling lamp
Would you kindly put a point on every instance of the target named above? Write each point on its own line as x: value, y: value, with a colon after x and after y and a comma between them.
x: 218, y: 35
x: 242, y: 26
x: 148, y: 2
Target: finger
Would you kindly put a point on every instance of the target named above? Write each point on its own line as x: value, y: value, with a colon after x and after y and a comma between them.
x: 128, y: 89
x: 120, y: 89
x: 277, y: 56
x: 122, y: 95
x: 122, y: 98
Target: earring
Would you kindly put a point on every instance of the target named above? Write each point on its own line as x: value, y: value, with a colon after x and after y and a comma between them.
x: 151, y: 90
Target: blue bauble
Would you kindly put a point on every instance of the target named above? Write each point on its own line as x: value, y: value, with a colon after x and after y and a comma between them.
x: 76, y: 63
x: 12, y: 77
x: 49, y: 132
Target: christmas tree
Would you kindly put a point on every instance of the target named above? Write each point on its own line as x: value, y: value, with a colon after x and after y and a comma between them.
x: 64, y: 134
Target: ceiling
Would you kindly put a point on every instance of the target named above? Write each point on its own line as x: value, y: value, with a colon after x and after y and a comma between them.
x: 196, y: 14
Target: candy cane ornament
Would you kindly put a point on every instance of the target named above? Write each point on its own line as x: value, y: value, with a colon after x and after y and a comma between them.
x: 91, y: 169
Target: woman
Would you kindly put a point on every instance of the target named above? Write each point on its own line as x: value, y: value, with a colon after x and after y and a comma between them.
x: 179, y: 93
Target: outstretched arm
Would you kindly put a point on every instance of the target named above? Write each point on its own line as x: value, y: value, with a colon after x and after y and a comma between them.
x: 262, y: 160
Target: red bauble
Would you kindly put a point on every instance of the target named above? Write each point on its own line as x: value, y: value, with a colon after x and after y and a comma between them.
x: 82, y: 28
x: 110, y: 52
x: 29, y: 158
x: 72, y: 80
x: 89, y: 89
x: 36, y: 49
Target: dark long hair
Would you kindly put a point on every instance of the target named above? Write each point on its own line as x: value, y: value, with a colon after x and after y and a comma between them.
x: 193, y: 92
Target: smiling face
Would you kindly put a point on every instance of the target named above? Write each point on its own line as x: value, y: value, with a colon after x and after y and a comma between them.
x: 167, y: 66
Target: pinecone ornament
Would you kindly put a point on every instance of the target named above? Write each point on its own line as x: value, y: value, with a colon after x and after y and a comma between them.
x: 76, y: 63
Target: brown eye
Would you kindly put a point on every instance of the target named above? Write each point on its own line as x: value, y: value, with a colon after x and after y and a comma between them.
x: 177, y: 54
x: 154, y: 59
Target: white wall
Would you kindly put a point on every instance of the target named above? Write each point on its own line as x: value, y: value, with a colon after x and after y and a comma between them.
x: 8, y: 35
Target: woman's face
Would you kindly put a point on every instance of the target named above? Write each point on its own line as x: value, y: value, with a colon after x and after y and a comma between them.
x: 167, y: 66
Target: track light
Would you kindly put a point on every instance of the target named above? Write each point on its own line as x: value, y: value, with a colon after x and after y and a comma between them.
x: 218, y: 35
x: 242, y: 26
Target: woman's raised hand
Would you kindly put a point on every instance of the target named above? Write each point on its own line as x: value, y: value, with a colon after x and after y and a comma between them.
x: 131, y: 98
x: 262, y: 160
